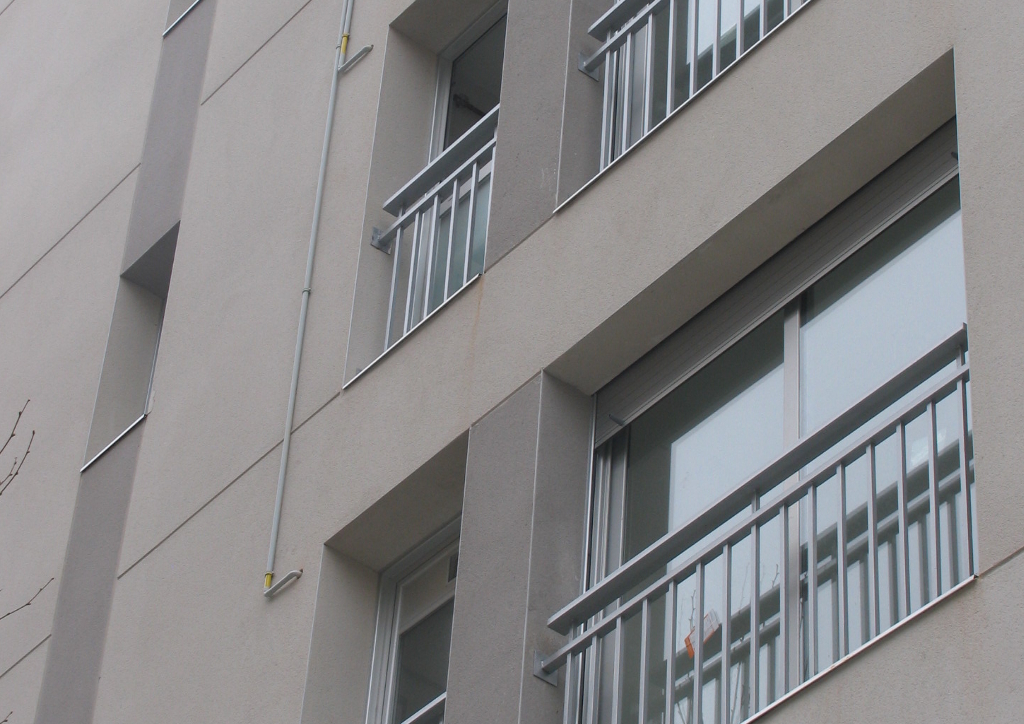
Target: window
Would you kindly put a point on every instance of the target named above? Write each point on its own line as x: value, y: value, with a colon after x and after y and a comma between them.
x: 469, y: 80
x: 414, y: 630
x: 800, y: 490
x: 439, y: 237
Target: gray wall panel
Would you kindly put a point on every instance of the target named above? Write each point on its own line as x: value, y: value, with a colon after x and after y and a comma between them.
x: 71, y: 674
x: 172, y: 120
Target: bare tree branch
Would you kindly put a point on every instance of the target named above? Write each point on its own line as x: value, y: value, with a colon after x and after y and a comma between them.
x: 11, y: 436
x: 16, y: 467
x: 25, y: 605
x: 7, y: 718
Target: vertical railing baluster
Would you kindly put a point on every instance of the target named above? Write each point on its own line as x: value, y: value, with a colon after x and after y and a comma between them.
x: 844, y: 628
x: 716, y: 54
x: 670, y: 650
x: 764, y: 17
x: 608, y: 108
x: 432, y: 241
x: 934, y: 571
x: 740, y: 28
x: 487, y: 211
x: 414, y: 253
x: 645, y: 621
x: 965, y: 488
x: 617, y: 675
x: 691, y: 34
x: 451, y: 238
x: 903, y: 547
x: 755, y: 615
x: 570, y: 697
x: 698, y: 645
x: 812, y: 581
x: 785, y: 593
x: 626, y: 53
x: 723, y: 687
x: 397, y: 253
x: 670, y: 69
x: 590, y: 703
x: 470, y: 221
x: 648, y: 76
x: 874, y: 612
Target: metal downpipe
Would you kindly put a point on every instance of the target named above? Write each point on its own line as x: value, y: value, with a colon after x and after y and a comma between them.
x: 339, y: 60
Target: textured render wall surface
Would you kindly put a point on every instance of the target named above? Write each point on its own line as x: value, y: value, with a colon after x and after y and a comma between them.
x: 75, y: 648
x: 54, y: 325
x: 76, y: 82
x: 190, y: 634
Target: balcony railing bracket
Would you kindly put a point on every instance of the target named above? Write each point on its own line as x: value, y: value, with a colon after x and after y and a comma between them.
x: 540, y: 673
x: 594, y: 73
x: 375, y: 240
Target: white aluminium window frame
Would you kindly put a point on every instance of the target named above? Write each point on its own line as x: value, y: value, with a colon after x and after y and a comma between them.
x: 460, y: 45
x: 441, y: 545
x: 773, y: 289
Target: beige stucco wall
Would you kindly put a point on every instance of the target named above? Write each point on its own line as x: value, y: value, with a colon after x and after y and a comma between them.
x: 830, y: 100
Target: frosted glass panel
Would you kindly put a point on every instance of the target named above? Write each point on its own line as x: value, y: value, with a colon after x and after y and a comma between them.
x: 882, y: 309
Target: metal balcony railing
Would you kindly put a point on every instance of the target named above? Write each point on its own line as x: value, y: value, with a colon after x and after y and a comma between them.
x: 438, y: 240
x: 657, y: 55
x: 855, y: 528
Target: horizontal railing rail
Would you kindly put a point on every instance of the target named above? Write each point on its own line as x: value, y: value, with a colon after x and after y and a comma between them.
x: 657, y: 54
x: 845, y: 568
x: 481, y: 156
x: 616, y: 16
x: 454, y: 157
x: 666, y: 548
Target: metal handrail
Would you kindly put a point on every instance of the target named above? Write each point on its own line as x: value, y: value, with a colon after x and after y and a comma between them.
x: 427, y: 199
x: 437, y: 705
x: 613, y: 42
x: 669, y: 546
x: 615, y: 16
x: 453, y: 157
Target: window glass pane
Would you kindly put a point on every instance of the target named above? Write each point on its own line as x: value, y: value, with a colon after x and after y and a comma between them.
x: 751, y: 23
x: 883, y: 308
x: 422, y: 665
x: 659, y: 66
x: 706, y: 437
x: 475, y: 82
x: 683, y: 53
x: 637, y: 86
x: 730, y: 18
x: 707, y: 18
x: 483, y: 205
x: 775, y: 12
x: 439, y: 264
x: 458, y: 265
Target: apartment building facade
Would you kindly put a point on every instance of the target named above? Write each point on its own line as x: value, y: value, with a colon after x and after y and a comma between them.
x: 578, y: 362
